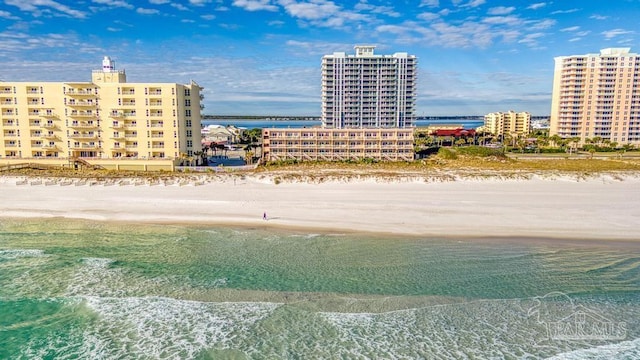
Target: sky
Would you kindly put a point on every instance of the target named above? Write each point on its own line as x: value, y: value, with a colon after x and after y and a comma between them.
x: 263, y: 57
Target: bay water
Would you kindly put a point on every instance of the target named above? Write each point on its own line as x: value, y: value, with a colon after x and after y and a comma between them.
x: 85, y: 290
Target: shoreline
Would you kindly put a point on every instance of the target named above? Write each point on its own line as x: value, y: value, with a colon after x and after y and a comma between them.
x: 598, y: 208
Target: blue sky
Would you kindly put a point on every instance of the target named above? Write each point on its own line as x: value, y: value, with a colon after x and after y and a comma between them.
x: 263, y: 56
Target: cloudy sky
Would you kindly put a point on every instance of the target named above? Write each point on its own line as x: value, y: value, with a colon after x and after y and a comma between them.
x: 263, y: 56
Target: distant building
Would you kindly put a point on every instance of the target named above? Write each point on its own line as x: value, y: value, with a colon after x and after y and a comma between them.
x: 107, y: 121
x: 221, y: 134
x: 597, y: 95
x: 366, y: 90
x: 313, y: 144
x: 508, y: 123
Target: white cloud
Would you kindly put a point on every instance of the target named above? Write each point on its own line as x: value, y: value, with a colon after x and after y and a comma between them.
x: 208, y: 16
x: 323, y: 13
x: 159, y: 2
x: 199, y: 2
x: 179, y: 6
x: 501, y: 10
x: 474, y: 3
x: 430, y: 3
x: 38, y: 7
x: 112, y: 29
x: 7, y: 15
x: 609, y: 34
x: 543, y: 24
x: 187, y: 21
x: 536, y: 6
x: 384, y: 10
x: 531, y: 39
x: 571, y: 28
x: 310, y: 11
x: 564, y: 11
x: 598, y: 17
x: 255, y: 5
x: 428, y: 16
x: 506, y: 20
x: 144, y: 11
x: 275, y: 23
x: 114, y: 3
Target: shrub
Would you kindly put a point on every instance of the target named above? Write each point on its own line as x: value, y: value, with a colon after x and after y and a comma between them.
x: 447, y: 154
x: 480, y: 151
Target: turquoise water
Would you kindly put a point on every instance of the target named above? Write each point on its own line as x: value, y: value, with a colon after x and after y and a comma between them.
x: 81, y: 290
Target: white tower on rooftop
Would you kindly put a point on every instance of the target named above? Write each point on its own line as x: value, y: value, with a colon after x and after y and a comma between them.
x: 108, y: 73
x: 108, y: 65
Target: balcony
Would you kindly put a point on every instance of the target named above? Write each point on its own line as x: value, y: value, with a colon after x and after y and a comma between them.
x: 81, y: 104
x: 84, y: 136
x: 6, y: 91
x: 85, y: 147
x: 79, y: 92
x: 155, y: 103
x: 83, y: 125
x: 48, y: 114
x: 82, y: 114
x: 50, y: 126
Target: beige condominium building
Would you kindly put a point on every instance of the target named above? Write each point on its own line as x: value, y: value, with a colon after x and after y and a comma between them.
x: 597, y: 95
x: 368, y: 103
x: 107, y: 122
x: 508, y: 123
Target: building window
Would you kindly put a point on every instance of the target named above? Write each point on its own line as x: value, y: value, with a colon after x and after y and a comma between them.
x: 187, y: 92
x: 187, y: 113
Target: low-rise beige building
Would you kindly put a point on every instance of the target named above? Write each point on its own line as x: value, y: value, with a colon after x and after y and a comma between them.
x: 105, y: 121
x: 321, y: 144
x: 508, y: 123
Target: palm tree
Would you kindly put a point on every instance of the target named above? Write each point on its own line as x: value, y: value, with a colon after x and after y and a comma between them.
x: 199, y: 157
x: 555, y: 139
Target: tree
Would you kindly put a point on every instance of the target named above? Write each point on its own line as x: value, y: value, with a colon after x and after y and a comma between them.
x: 198, y: 157
x: 556, y: 140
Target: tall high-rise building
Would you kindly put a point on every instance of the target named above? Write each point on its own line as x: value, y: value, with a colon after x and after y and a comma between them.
x: 366, y: 90
x: 597, y: 95
x: 105, y: 119
x: 508, y: 123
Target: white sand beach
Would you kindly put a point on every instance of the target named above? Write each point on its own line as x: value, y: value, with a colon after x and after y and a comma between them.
x: 603, y: 207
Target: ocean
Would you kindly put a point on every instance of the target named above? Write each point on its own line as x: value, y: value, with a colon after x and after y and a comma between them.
x: 251, y: 124
x: 84, y: 290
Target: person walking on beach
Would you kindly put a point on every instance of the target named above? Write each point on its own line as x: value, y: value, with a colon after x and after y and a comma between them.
x: 264, y: 216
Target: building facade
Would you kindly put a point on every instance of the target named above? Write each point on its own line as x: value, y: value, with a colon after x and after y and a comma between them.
x: 106, y: 119
x: 319, y: 144
x: 597, y: 95
x: 508, y: 123
x: 366, y: 90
